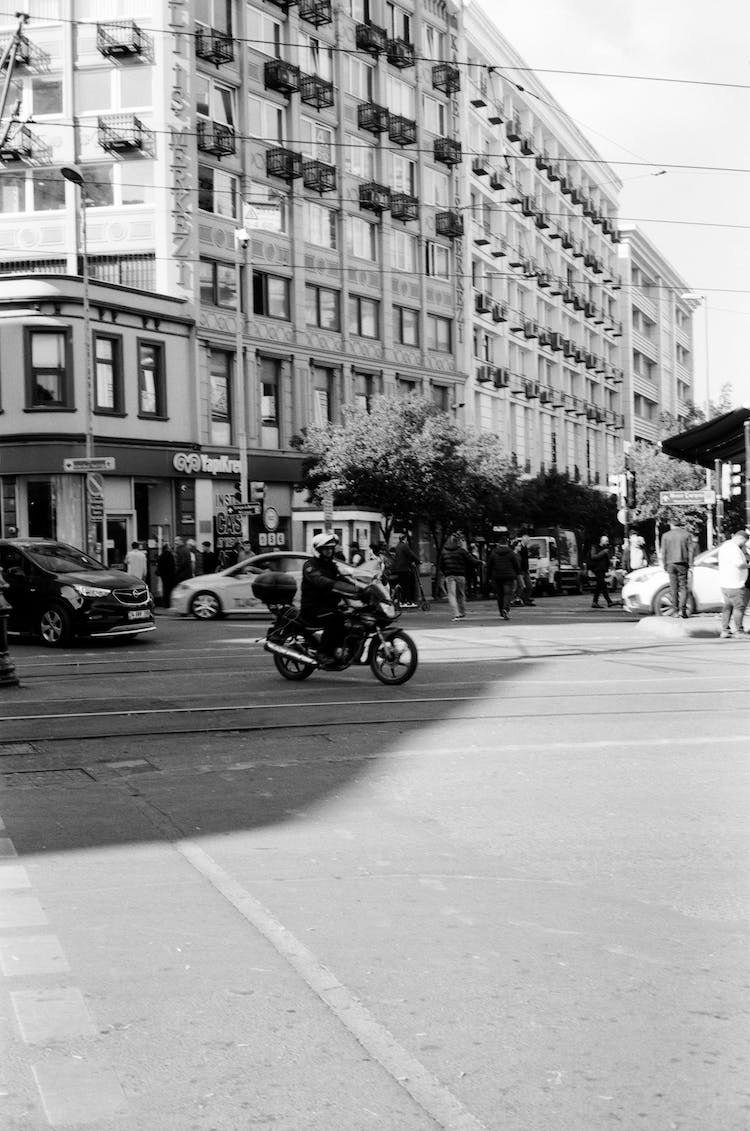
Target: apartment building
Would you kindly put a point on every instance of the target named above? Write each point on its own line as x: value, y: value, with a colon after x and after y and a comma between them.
x: 657, y: 311
x: 415, y: 222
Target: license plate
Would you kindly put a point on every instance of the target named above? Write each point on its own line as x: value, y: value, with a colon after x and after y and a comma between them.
x: 139, y: 614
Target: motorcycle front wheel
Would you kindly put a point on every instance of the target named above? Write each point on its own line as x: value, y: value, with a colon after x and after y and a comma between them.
x: 287, y: 666
x: 394, y: 660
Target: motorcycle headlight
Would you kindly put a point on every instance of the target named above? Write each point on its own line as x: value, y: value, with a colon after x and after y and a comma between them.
x: 91, y: 591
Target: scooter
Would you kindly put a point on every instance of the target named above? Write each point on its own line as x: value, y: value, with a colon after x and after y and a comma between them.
x: 369, y: 638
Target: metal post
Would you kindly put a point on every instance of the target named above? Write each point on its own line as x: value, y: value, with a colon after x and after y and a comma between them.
x: 8, y: 676
x: 719, y: 502
x: 241, y: 242
x: 747, y: 474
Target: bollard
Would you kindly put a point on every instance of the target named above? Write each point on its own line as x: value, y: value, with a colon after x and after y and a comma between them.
x: 8, y: 676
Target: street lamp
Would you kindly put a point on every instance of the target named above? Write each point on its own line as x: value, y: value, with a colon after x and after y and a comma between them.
x: 75, y: 176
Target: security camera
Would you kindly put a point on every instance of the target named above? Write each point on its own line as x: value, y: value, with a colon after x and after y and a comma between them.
x: 242, y: 237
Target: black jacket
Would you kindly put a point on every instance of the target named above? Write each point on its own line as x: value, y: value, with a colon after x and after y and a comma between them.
x: 599, y: 561
x: 457, y: 562
x: 503, y: 564
x: 322, y: 586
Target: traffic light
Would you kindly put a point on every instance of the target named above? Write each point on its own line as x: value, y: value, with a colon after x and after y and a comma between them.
x: 237, y: 492
x: 630, y: 485
x: 731, y: 480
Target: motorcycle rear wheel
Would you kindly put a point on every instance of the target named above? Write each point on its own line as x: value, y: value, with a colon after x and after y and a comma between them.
x: 394, y: 661
x: 287, y: 666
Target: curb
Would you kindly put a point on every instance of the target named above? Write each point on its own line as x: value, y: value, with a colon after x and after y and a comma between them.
x: 674, y: 628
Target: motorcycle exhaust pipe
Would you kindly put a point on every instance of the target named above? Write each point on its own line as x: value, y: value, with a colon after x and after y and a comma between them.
x: 269, y: 647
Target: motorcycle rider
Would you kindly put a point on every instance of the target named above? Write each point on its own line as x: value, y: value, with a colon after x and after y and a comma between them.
x: 323, y: 585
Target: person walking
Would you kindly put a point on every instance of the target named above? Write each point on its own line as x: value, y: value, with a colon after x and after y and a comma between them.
x: 504, y: 571
x: 136, y: 563
x: 522, y: 553
x: 208, y: 558
x: 183, y: 561
x: 733, y: 576
x: 599, y: 561
x: 165, y: 571
x: 676, y: 552
x: 456, y: 562
x: 245, y: 550
x: 405, y: 562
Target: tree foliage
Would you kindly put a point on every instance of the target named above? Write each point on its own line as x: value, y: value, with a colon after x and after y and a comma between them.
x: 655, y: 472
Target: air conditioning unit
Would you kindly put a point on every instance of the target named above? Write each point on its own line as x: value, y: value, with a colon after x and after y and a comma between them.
x: 556, y: 341
x: 545, y: 396
x: 483, y: 303
x: 501, y: 378
x: 499, y: 312
x: 483, y: 374
x: 530, y: 328
x: 545, y: 338
x: 531, y: 389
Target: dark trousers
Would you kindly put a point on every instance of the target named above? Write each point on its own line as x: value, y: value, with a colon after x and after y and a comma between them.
x: 405, y: 578
x: 678, y: 572
x: 600, y: 589
x: 505, y: 587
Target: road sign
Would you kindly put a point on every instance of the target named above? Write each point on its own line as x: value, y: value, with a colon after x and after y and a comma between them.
x: 95, y: 485
x: 244, y: 508
x: 96, y: 509
x: 700, y: 498
x: 624, y: 516
x: 93, y: 463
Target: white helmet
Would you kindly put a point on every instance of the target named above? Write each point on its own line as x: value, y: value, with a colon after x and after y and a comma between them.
x: 320, y: 541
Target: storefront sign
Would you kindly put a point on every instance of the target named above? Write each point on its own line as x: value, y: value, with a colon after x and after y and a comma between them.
x: 192, y: 463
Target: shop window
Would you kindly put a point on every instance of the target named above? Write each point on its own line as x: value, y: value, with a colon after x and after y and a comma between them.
x: 270, y: 295
x: 364, y: 317
x: 151, y: 387
x: 48, y: 369
x: 221, y: 386
x: 322, y: 308
x: 108, y: 373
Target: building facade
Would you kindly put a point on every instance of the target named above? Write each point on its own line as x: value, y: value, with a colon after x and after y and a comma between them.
x: 415, y: 222
x: 658, y: 350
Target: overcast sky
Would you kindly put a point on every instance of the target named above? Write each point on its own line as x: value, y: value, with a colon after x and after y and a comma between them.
x: 700, y: 220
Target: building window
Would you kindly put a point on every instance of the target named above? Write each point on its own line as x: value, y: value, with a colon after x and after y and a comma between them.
x: 108, y: 373
x: 323, y: 380
x: 404, y: 251
x: 218, y: 284
x: 317, y: 140
x: 363, y: 391
x: 406, y: 325
x: 398, y: 22
x: 441, y: 396
x: 435, y: 43
x: 322, y: 307
x: 359, y: 159
x: 439, y: 333
x: 266, y: 120
x: 270, y: 423
x: 217, y: 192
x: 321, y: 225
x: 364, y: 317
x: 215, y: 13
x: 151, y: 389
x: 221, y: 400
x: 402, y: 97
x: 48, y: 368
x: 270, y: 295
x: 316, y: 58
x: 437, y: 260
x: 46, y: 96
x: 264, y: 33
x: 361, y: 239
x: 361, y: 79
x: 433, y: 115
x: 403, y: 174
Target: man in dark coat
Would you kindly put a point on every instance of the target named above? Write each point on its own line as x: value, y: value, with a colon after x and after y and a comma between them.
x: 503, y: 570
x: 404, y: 563
x: 600, y: 563
x: 183, y: 561
x: 323, y: 585
x: 456, y: 563
x: 208, y: 558
x: 165, y: 569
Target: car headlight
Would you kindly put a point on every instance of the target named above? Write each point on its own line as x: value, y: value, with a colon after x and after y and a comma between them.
x: 91, y: 591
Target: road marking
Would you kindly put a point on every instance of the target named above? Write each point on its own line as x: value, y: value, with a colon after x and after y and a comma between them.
x: 32, y: 954
x: 76, y: 1091
x: 430, y: 1093
x: 47, y: 1015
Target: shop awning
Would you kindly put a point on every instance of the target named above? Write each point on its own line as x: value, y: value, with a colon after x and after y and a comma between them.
x: 722, y: 438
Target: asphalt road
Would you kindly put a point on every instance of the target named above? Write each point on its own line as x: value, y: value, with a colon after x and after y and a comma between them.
x: 511, y: 895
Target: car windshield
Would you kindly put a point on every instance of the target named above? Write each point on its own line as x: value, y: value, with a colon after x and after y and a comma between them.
x: 59, y: 558
x: 534, y: 547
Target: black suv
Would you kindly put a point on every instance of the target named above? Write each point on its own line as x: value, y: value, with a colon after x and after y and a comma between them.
x: 59, y: 592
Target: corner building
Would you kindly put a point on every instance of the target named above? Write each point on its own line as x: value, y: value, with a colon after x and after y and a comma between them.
x: 416, y: 221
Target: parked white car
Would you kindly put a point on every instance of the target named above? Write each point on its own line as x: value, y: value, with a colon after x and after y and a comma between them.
x: 647, y: 590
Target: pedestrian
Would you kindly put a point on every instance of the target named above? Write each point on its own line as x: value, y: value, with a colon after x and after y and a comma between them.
x: 245, y: 550
x: 183, y: 561
x: 733, y: 577
x: 599, y: 562
x: 636, y: 552
x: 165, y: 571
x: 405, y: 562
x: 208, y: 558
x: 195, y: 561
x: 676, y: 553
x: 456, y: 563
x: 136, y: 562
x: 503, y: 570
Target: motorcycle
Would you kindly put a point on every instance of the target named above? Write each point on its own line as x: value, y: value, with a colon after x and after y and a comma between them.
x: 370, y: 637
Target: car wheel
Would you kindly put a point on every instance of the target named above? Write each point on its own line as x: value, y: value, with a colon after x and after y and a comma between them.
x: 206, y: 606
x: 55, y: 626
x: 662, y: 603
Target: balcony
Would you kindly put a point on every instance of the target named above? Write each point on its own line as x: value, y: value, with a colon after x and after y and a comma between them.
x: 316, y: 92
x: 120, y: 39
x: 404, y: 207
x: 283, y: 163
x: 480, y: 166
x: 281, y: 76
x: 213, y: 45
x: 446, y: 77
x: 401, y: 130
x: 374, y: 197
x: 447, y: 150
x: 513, y: 129
x: 449, y: 224
x: 215, y: 138
x: 24, y: 51
x: 122, y: 133
x: 399, y: 53
x: 372, y: 117
x: 371, y: 39
x: 319, y: 176
x: 483, y: 303
x: 316, y: 12
x: 18, y: 145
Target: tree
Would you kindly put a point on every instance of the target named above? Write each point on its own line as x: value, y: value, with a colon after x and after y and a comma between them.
x: 655, y: 472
